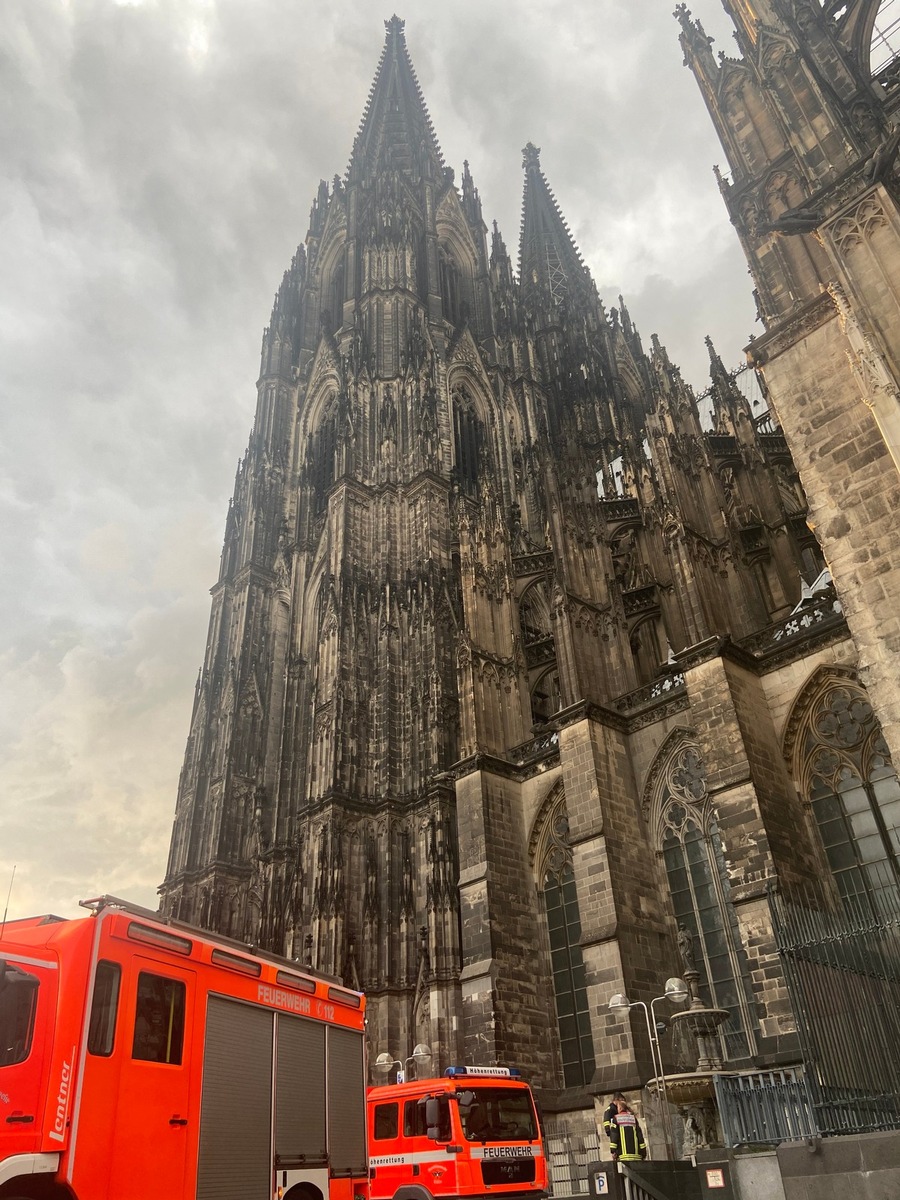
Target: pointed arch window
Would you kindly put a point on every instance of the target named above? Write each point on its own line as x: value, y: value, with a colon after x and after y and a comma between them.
x: 646, y: 650
x: 854, y: 792
x: 451, y: 287
x: 698, y: 885
x: 335, y: 310
x: 885, y: 35
x: 576, y: 1044
x: 468, y: 435
x: 322, y: 461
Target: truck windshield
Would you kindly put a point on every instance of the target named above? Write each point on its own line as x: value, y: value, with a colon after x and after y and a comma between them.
x: 18, y: 1003
x: 498, y: 1115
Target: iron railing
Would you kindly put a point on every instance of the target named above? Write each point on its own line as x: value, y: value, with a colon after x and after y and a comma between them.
x: 842, y: 967
x: 765, y: 1107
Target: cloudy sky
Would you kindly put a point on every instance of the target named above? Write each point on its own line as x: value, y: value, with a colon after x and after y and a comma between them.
x: 159, y: 161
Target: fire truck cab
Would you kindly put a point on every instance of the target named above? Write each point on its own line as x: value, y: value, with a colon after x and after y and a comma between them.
x: 473, y: 1132
x: 145, y: 1060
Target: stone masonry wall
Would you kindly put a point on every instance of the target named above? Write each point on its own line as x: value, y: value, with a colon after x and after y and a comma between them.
x: 854, y: 493
x: 508, y: 1007
x: 759, y: 819
x: 627, y: 943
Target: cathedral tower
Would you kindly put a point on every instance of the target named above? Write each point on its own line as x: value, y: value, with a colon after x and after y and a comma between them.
x: 811, y: 140
x: 515, y: 643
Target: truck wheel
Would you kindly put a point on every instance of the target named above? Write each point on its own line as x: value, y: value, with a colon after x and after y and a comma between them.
x: 303, y: 1191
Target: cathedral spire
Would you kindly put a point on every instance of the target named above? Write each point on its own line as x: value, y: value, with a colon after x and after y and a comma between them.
x: 396, y: 130
x: 717, y: 372
x: 550, y: 265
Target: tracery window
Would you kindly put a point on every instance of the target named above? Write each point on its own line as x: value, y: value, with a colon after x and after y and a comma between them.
x: 336, y: 298
x: 698, y: 885
x: 646, y: 650
x: 468, y: 435
x: 560, y: 897
x: 546, y: 699
x: 855, y: 797
x: 322, y: 452
x: 885, y: 34
x: 450, y: 287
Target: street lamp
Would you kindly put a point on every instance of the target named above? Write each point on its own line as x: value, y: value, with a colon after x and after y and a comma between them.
x: 676, y: 992
x: 385, y: 1062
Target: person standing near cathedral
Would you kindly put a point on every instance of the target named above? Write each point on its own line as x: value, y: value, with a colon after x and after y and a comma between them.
x: 609, y: 1113
x: 626, y: 1139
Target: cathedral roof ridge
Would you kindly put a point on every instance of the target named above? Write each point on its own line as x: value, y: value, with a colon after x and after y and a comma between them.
x: 396, y: 127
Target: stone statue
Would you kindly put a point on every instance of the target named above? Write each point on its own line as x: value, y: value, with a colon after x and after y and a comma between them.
x: 686, y: 947
x: 881, y: 164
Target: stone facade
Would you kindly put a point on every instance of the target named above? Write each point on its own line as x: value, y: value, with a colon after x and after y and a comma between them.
x: 514, y: 640
x: 811, y: 142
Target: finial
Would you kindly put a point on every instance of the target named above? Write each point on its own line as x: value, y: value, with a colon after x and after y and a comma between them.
x: 713, y: 353
x: 717, y: 367
x: 531, y: 156
x: 395, y: 25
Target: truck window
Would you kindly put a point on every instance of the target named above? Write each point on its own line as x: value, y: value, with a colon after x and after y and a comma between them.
x: 385, y: 1121
x: 414, y: 1119
x: 18, y: 1004
x: 104, y: 1007
x: 498, y: 1114
x: 159, y: 1019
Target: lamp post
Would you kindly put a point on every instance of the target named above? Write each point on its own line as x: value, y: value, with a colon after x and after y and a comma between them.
x: 385, y: 1062
x: 676, y: 992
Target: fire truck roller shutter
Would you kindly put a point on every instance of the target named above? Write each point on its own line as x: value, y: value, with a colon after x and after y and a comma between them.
x: 236, y: 1103
x: 346, y: 1103
x: 299, y: 1092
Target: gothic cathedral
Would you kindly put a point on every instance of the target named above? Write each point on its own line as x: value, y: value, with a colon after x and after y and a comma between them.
x: 526, y: 681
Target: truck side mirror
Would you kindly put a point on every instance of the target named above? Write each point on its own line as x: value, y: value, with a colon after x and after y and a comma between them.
x: 433, y: 1117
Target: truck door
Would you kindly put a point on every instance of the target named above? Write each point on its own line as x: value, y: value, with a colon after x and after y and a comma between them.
x: 388, y: 1169
x: 154, y: 1124
x: 27, y: 1000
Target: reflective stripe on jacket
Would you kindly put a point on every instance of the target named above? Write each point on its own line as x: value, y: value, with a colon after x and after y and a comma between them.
x: 625, y: 1137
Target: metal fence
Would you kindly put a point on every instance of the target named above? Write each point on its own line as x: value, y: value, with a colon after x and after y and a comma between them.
x: 764, y: 1107
x: 568, y: 1156
x: 842, y: 968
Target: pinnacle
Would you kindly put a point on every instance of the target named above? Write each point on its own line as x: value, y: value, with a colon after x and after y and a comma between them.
x: 549, y: 260
x: 714, y: 359
x: 396, y: 129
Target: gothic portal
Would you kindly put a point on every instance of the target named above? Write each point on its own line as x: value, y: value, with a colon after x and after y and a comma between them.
x: 520, y: 656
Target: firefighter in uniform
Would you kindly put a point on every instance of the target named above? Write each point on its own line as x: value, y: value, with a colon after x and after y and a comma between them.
x: 610, y: 1111
x: 626, y: 1141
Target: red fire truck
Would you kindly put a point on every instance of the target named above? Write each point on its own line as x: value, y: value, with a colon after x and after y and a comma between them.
x: 144, y: 1060
x: 473, y: 1132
